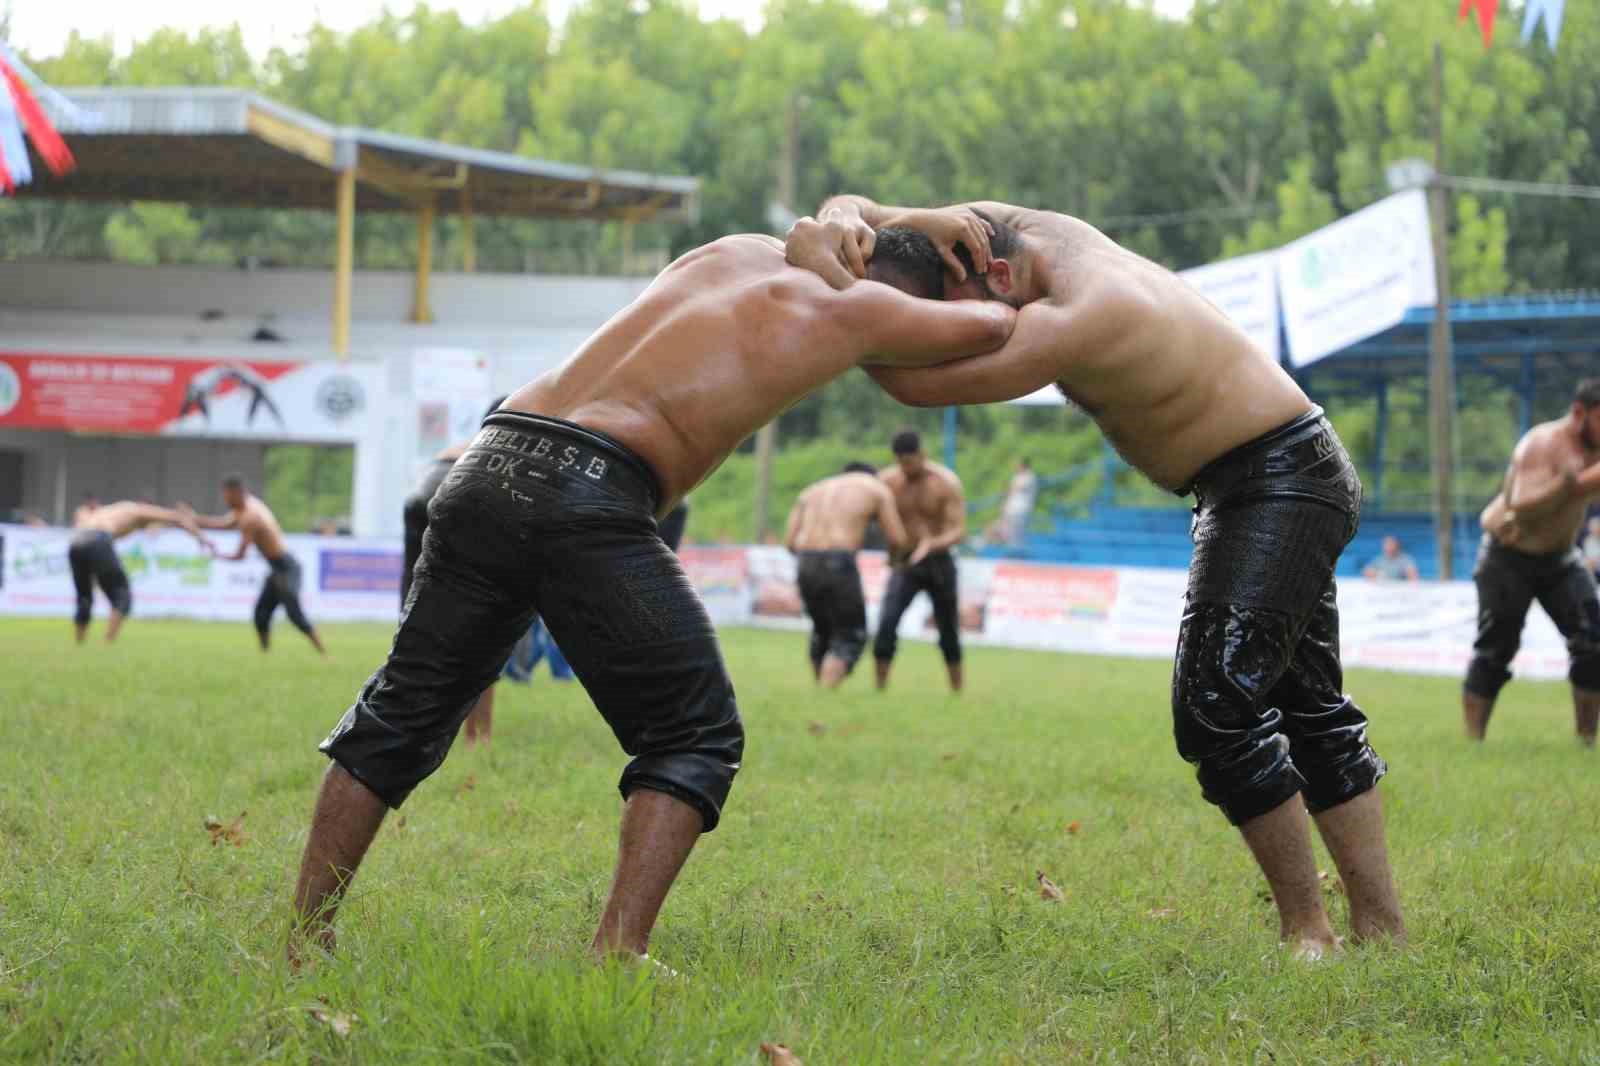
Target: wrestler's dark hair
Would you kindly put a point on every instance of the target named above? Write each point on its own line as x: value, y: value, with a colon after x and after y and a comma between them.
x: 233, y: 481
x: 906, y: 442
x: 1587, y: 394
x: 858, y: 467
x: 907, y: 260
x: 1004, y: 243
x: 494, y: 404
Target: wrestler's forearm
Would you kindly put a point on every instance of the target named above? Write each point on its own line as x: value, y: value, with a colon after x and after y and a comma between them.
x: 1545, y: 500
x: 949, y: 538
x: 1589, y: 480
x: 850, y: 206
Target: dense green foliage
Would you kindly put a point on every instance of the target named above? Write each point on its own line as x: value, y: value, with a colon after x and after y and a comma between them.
x: 1265, y: 119
x: 869, y: 897
x: 1240, y: 127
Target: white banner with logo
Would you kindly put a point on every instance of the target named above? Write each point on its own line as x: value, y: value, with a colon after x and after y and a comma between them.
x: 1417, y: 628
x: 452, y: 388
x: 1355, y: 278
x: 343, y: 579
x: 1246, y: 290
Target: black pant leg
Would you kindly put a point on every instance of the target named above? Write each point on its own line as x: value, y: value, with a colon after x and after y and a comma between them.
x: 944, y: 590
x: 896, y: 598
x: 266, y: 604
x: 1572, y: 605
x: 1504, y: 596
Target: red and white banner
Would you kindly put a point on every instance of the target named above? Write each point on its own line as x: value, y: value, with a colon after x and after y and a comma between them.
x: 230, y: 398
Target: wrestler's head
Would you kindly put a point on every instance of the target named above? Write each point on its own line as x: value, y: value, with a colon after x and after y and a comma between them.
x: 1000, y: 283
x: 909, y: 261
x: 860, y: 468
x: 907, y: 448
x: 233, y: 493
x: 1586, y: 410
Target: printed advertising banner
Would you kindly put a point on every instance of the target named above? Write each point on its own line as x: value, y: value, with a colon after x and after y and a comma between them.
x: 1355, y: 278
x: 453, y: 387
x: 343, y: 579
x: 236, y: 399
x: 1418, y: 628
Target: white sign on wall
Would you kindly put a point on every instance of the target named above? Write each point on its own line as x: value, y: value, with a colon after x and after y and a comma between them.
x: 1357, y: 277
x: 1246, y: 290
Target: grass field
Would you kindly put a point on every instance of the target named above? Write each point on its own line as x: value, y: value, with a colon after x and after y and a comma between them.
x: 870, y: 897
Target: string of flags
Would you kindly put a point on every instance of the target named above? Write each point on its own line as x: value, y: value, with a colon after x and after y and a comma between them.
x: 21, y: 115
x: 1549, y: 12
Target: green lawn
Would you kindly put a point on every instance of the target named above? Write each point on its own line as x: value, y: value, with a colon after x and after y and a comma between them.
x: 870, y: 897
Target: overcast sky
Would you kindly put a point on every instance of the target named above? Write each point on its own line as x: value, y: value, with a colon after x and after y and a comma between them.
x: 42, y: 26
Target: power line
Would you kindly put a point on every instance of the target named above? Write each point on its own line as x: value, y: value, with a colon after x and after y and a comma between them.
x: 1521, y: 188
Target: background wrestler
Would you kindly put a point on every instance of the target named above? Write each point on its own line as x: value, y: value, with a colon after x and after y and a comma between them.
x: 826, y: 526
x: 1190, y: 401
x: 553, y: 510
x: 257, y: 525
x: 1529, y: 552
x: 92, y: 555
x: 934, y: 508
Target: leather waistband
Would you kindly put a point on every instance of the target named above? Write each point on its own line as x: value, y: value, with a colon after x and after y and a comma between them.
x: 515, y: 444
x: 1249, y: 459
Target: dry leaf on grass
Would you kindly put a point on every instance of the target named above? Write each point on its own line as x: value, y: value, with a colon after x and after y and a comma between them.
x: 470, y: 783
x: 1048, y: 889
x: 851, y: 729
x: 341, y: 1024
x: 816, y: 729
x: 1073, y: 828
x: 779, y: 1055
x: 1160, y: 912
x: 232, y: 833
x: 947, y: 756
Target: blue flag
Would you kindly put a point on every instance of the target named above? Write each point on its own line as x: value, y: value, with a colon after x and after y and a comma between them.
x: 1551, y: 11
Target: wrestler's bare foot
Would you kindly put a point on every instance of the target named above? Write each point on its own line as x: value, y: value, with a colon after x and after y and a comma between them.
x: 307, y: 944
x: 1313, y: 948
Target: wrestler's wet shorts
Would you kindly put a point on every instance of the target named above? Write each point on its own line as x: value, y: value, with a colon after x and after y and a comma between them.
x: 1508, y: 582
x: 415, y: 514
x: 543, y: 516
x: 92, y: 556
x: 1257, y: 696
x: 830, y: 588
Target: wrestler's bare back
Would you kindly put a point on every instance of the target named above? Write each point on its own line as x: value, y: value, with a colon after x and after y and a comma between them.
x: 1174, y: 383
x: 833, y: 514
x: 723, y: 341
x: 124, y: 517
x: 929, y: 504
x: 1548, y: 451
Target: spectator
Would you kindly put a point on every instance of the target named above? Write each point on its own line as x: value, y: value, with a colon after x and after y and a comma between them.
x: 1022, y: 494
x: 1392, y: 565
x: 1591, y: 547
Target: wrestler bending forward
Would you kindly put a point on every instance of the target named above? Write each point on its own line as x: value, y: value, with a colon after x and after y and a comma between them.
x: 1257, y: 696
x: 553, y: 508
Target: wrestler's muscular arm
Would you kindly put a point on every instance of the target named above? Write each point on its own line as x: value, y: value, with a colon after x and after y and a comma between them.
x: 890, y: 329
x: 1536, y: 485
x: 1049, y: 336
x: 894, y: 530
x: 953, y: 516
x: 793, y: 529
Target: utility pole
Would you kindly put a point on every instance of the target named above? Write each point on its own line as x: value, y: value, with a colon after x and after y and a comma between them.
x: 1441, y: 349
x: 767, y: 435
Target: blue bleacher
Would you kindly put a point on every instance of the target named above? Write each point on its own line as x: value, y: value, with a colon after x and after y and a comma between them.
x: 1159, y: 537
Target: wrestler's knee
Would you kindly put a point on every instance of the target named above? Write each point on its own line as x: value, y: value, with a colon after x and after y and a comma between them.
x: 1584, y: 671
x: 1331, y: 752
x: 1487, y: 674
x: 695, y: 760
x: 885, y: 643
